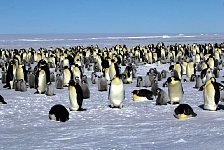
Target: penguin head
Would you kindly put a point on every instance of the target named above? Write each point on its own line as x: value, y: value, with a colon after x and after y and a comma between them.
x: 135, y: 92
x: 72, y: 83
x: 173, y: 80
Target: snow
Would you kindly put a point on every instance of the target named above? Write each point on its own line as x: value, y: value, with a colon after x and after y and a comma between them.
x: 138, y: 125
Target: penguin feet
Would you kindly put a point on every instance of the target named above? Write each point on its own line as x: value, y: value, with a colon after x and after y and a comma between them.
x: 120, y: 106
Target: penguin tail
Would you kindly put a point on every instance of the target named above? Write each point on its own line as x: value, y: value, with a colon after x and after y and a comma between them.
x: 193, y: 114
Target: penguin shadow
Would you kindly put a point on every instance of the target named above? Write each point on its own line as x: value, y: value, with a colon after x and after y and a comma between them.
x: 219, y: 107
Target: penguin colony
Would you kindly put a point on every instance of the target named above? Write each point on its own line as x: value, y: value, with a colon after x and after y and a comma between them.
x: 59, y: 68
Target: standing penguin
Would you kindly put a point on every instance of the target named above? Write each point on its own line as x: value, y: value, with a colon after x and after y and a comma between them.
x: 139, y: 82
x: 40, y: 81
x: 175, y: 90
x: 67, y: 76
x: 116, y: 92
x: 93, y: 77
x: 49, y: 89
x: 23, y: 87
x: 198, y: 83
x: 85, y: 89
x: 211, y: 94
x: 161, y: 97
x: 58, y: 82
x: 75, y: 96
x: 31, y: 80
x: 102, y: 83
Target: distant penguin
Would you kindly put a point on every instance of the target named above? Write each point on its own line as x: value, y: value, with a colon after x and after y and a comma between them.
x: 2, y: 100
x: 149, y: 78
x: 163, y: 74
x: 154, y: 87
x: 142, y: 95
x: 139, y: 82
x: 116, y: 92
x: 176, y: 69
x: 75, y: 96
x: 17, y: 85
x: 67, y: 76
x: 49, y: 89
x: 40, y: 82
x: 59, y: 113
x: 3, y: 77
x: 184, y: 111
x: 52, y: 77
x: 31, y: 80
x: 211, y: 93
x: 58, y: 82
x: 216, y: 72
x: 85, y: 89
x: 191, y: 70
x: 102, y: 83
x: 175, y: 90
x: 193, y: 78
x: 198, y: 83
x: 161, y: 97
x: 93, y: 77
x: 23, y: 87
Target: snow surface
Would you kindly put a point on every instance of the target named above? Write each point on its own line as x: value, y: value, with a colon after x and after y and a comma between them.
x: 24, y: 122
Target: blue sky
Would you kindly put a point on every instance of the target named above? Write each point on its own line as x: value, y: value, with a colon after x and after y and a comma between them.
x: 111, y: 16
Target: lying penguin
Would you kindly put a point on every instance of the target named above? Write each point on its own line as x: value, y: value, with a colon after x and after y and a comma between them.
x: 184, y: 111
x: 142, y: 95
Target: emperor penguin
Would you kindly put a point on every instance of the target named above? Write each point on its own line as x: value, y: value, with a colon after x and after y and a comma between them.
x: 176, y: 69
x: 23, y: 87
x: 2, y: 100
x: 161, y: 97
x: 184, y: 111
x: 142, y: 95
x: 59, y: 113
x: 116, y: 92
x: 40, y: 81
x: 112, y: 69
x: 93, y: 77
x: 211, y: 93
x: 49, y: 89
x: 102, y: 83
x: 52, y: 77
x: 3, y: 77
x: 191, y: 69
x: 85, y: 89
x: 67, y: 76
x: 198, y: 83
x: 75, y: 96
x: 175, y: 90
x: 31, y: 80
x: 58, y: 82
x: 139, y: 82
x: 206, y: 74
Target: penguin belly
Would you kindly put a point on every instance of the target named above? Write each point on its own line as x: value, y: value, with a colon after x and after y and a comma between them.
x: 73, y: 99
x: 116, y: 95
x: 41, y: 83
x: 209, y: 98
x: 175, y: 93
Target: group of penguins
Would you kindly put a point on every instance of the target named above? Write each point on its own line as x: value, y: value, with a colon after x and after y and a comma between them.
x: 65, y: 67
